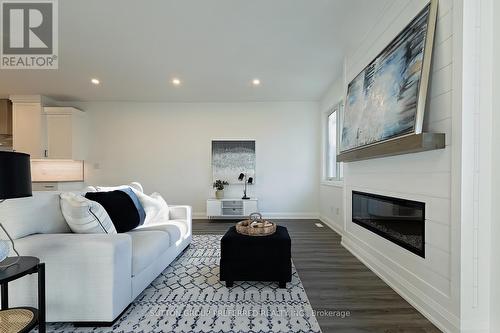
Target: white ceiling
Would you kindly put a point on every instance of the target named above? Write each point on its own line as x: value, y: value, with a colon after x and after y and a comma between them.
x: 216, y: 47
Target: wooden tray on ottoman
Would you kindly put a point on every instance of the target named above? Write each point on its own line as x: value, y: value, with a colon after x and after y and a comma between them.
x: 256, y: 226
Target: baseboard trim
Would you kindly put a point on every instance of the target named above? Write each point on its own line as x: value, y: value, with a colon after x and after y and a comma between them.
x: 291, y: 216
x: 472, y: 329
x: 439, y: 316
x: 331, y: 224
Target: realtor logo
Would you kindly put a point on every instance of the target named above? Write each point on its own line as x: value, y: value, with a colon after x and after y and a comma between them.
x: 29, y: 34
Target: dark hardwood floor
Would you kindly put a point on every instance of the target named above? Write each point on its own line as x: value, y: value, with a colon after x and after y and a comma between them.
x: 335, y: 280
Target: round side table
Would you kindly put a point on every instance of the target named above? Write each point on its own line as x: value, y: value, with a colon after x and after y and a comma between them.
x: 21, y: 319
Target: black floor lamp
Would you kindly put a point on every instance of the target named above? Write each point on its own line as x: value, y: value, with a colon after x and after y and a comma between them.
x: 15, y: 182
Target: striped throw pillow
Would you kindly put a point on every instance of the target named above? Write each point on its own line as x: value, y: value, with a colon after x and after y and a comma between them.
x: 85, y: 216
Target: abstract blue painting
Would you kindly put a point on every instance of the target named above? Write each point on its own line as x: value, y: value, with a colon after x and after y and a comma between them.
x: 382, y: 100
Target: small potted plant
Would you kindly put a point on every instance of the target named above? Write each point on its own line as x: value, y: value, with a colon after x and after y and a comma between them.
x: 219, y: 188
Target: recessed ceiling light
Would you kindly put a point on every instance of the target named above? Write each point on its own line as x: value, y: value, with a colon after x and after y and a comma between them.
x: 176, y: 81
x: 95, y: 81
x: 256, y: 82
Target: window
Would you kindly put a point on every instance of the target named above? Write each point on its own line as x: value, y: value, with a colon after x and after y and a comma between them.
x: 331, y: 146
x: 333, y: 169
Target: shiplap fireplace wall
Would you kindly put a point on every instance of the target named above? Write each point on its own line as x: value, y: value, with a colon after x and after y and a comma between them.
x: 431, y: 284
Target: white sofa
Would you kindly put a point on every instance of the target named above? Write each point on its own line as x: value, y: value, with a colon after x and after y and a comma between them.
x: 89, y: 277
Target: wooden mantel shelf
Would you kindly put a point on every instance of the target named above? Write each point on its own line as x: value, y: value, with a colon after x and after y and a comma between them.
x: 409, y: 144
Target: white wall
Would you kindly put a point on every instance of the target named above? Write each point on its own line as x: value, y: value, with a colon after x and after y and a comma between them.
x: 430, y: 284
x: 476, y: 166
x: 495, y: 226
x: 167, y: 147
x: 332, y: 206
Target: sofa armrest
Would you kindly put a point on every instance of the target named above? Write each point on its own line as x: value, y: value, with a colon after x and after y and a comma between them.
x: 88, y: 276
x: 183, y: 213
x: 180, y: 213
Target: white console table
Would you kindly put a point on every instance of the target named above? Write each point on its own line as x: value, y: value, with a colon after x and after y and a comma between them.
x: 231, y: 207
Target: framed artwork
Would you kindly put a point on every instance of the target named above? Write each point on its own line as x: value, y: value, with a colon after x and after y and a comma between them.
x: 232, y: 157
x: 387, y: 99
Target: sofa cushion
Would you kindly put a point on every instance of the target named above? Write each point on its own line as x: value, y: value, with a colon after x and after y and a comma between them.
x: 147, y: 246
x: 85, y: 216
x: 39, y: 214
x: 120, y: 208
x: 177, y: 229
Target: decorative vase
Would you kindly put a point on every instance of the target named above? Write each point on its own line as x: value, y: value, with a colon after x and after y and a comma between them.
x: 219, y: 194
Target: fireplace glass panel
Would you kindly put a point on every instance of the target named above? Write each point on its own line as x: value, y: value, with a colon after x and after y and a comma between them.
x: 397, y: 220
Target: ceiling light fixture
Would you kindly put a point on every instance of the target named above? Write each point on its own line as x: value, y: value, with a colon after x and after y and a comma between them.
x: 95, y: 81
x: 256, y: 82
x: 176, y: 81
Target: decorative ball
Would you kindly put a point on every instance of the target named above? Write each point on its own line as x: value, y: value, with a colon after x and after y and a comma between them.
x: 4, y: 249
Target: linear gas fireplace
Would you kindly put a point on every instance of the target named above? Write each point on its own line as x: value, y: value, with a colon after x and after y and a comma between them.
x: 398, y: 220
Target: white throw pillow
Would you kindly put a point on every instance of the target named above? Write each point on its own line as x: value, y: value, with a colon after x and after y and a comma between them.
x: 156, y: 208
x: 85, y: 216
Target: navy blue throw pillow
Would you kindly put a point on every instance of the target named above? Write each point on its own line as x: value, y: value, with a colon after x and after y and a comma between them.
x: 137, y: 203
x: 120, y: 208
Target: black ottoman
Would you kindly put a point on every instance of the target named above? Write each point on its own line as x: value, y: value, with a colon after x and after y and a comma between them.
x: 256, y: 258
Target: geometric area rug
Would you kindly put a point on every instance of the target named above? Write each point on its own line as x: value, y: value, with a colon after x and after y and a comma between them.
x: 189, y: 298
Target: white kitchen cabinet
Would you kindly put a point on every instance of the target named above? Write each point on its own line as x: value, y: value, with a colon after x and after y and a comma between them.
x: 29, y: 129
x: 5, y: 117
x: 231, y: 207
x: 58, y: 186
x: 49, y: 132
x: 5, y: 124
x: 65, y: 133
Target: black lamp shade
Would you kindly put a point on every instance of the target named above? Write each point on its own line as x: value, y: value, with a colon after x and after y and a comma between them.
x: 15, y: 175
x: 250, y: 180
x: 241, y: 176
